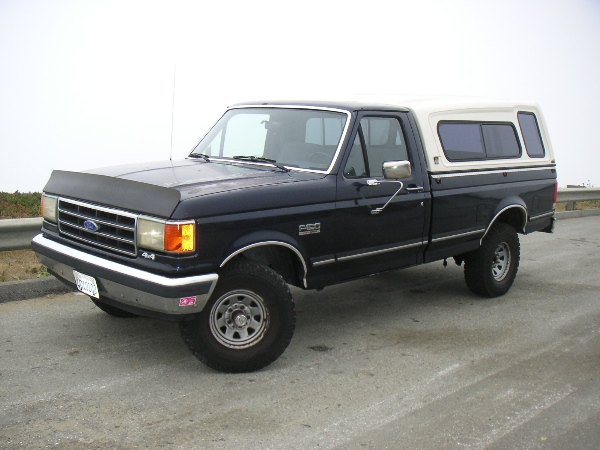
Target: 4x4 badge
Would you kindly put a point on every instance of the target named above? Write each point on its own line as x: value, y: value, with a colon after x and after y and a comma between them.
x: 309, y: 228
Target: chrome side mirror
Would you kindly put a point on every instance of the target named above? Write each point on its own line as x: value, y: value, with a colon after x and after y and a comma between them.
x: 394, y: 170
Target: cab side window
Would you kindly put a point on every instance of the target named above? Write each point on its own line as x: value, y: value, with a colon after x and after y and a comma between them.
x: 379, y: 139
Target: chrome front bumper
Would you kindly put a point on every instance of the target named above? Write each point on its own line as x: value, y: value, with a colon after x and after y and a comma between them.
x: 124, y: 285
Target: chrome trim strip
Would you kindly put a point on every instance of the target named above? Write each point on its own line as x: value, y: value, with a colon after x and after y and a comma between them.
x: 541, y: 216
x: 95, y: 219
x: 78, y: 240
x: 126, y: 270
x: 523, y: 210
x: 97, y: 233
x: 322, y: 263
x: 100, y: 208
x: 454, y: 236
x: 488, y: 172
x: 261, y: 244
x: 376, y: 252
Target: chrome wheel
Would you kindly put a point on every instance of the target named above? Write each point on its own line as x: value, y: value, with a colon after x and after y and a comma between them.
x: 501, y: 262
x: 247, y: 323
x: 239, y: 319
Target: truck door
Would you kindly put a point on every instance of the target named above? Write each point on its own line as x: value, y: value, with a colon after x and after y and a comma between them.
x: 366, y: 241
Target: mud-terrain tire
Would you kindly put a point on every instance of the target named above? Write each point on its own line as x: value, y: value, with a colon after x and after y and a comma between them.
x: 491, y: 269
x: 247, y: 323
x: 113, y: 311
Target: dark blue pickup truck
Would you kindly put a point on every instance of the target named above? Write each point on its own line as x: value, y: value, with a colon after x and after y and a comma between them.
x: 307, y: 194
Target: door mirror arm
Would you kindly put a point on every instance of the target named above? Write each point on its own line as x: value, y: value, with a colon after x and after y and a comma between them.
x: 378, y: 182
x: 392, y: 170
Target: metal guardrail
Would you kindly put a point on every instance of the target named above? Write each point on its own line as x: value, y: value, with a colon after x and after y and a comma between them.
x: 578, y: 194
x: 16, y: 234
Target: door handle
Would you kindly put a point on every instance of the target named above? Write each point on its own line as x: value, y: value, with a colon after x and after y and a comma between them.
x: 414, y: 189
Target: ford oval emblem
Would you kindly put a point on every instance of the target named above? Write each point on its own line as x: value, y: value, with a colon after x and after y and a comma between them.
x: 91, y: 226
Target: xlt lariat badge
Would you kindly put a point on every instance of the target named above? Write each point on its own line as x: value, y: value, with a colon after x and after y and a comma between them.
x: 309, y: 228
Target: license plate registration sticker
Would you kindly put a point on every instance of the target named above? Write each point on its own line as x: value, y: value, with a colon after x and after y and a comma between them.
x: 86, y: 284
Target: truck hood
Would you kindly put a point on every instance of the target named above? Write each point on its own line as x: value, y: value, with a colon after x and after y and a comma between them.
x: 194, y: 178
x: 157, y: 188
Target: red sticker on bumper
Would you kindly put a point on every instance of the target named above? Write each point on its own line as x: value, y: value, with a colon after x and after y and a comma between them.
x: 187, y: 301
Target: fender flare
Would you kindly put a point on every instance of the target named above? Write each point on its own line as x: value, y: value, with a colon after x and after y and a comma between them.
x: 261, y: 239
x: 513, y: 203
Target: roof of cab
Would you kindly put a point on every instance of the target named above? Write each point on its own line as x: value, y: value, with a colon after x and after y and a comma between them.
x: 422, y: 104
x: 428, y: 110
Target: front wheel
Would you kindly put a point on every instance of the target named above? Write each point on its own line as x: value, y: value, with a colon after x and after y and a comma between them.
x: 247, y: 323
x: 491, y: 269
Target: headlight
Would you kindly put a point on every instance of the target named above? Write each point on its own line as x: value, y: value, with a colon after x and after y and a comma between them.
x: 163, y: 236
x: 48, y: 207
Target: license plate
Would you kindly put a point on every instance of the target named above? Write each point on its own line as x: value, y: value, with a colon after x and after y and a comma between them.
x: 86, y: 284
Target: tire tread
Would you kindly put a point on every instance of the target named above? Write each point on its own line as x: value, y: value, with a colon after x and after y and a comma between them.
x: 477, y: 271
x: 192, y: 335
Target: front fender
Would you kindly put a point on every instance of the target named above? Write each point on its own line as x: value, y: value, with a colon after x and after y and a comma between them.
x: 265, y: 238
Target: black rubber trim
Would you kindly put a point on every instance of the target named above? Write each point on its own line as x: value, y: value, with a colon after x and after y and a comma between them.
x: 147, y: 313
x: 147, y: 198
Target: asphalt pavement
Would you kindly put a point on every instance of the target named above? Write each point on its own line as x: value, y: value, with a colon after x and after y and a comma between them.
x: 12, y: 291
x: 406, y: 359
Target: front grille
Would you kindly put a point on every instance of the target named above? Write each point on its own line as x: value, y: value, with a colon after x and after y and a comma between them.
x: 107, y: 228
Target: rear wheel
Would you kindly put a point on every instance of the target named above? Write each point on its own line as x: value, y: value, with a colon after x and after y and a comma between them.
x: 491, y: 269
x: 247, y: 323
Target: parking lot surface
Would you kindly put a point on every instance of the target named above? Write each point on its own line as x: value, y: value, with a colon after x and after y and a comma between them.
x: 406, y: 359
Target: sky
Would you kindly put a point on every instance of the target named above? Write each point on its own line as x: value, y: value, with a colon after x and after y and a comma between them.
x: 94, y: 83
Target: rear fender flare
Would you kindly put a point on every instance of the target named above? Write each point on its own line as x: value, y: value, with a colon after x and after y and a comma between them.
x: 517, y: 204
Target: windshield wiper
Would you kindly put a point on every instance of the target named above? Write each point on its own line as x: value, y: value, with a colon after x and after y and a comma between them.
x: 199, y: 155
x: 261, y: 159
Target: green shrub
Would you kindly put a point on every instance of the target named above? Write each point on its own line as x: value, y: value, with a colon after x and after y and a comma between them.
x: 19, y: 204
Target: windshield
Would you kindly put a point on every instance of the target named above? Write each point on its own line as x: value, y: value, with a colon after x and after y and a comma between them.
x: 302, y: 138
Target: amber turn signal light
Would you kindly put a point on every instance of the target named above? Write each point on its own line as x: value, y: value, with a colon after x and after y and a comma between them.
x: 179, y: 237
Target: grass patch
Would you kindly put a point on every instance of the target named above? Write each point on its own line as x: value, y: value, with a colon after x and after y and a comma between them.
x: 20, y: 264
x: 19, y: 205
x: 589, y: 204
x: 17, y: 265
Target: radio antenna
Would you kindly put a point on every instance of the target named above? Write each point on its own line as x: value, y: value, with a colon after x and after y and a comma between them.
x: 172, y: 112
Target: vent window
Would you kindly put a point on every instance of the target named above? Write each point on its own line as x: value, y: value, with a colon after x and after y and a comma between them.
x: 531, y: 135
